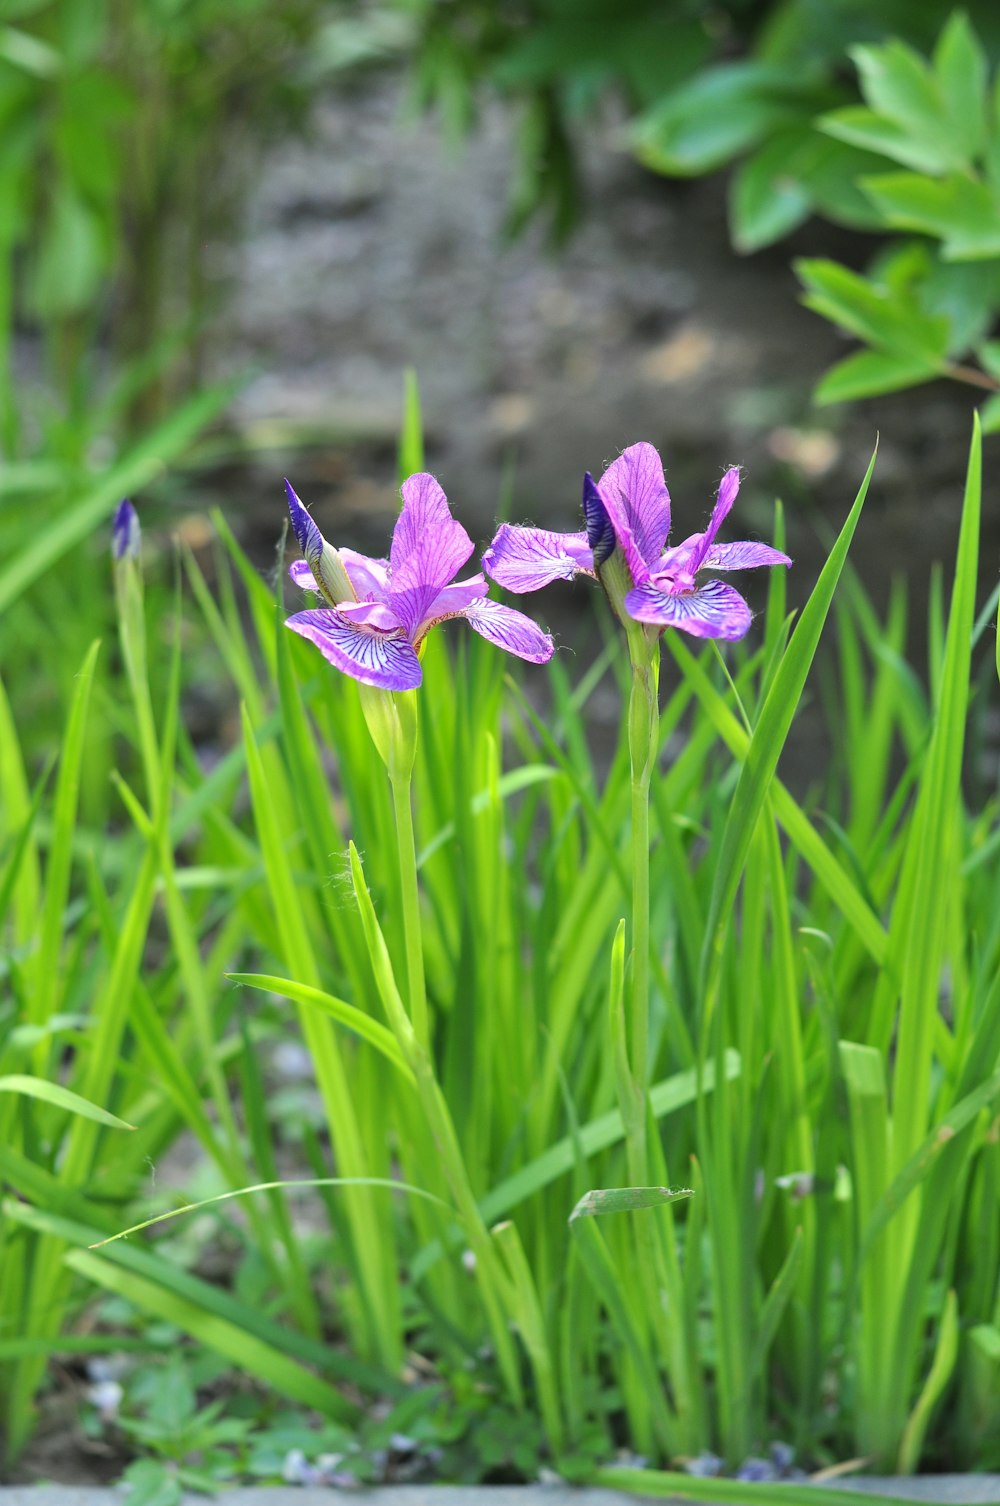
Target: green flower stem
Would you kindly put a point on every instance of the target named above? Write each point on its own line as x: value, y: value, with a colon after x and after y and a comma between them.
x: 416, y: 987
x: 643, y: 734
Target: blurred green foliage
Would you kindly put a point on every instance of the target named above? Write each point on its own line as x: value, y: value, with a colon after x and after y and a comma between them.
x: 815, y: 105
x: 126, y: 128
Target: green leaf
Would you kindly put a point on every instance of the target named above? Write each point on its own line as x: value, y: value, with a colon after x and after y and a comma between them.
x: 767, y: 198
x: 601, y: 1200
x: 888, y: 318
x: 95, y: 497
x: 897, y: 84
x: 869, y: 372
x: 960, y: 70
x: 945, y: 1354
x: 373, y: 1031
x: 60, y: 1098
x: 768, y: 738
x: 960, y: 211
x: 722, y: 112
x: 857, y: 126
x: 989, y: 414
x: 411, y: 439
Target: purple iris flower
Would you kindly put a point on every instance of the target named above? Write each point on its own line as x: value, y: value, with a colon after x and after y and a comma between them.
x: 630, y: 508
x: 379, y: 611
x: 126, y: 534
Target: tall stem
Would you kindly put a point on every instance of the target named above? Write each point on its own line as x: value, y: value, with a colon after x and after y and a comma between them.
x: 415, y: 985
x: 643, y: 728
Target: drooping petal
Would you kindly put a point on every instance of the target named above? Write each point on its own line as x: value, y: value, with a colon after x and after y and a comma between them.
x: 715, y: 610
x: 600, y: 530
x: 384, y: 660
x: 371, y: 614
x: 454, y: 599
x: 728, y: 488
x: 510, y: 630
x: 526, y: 559
x: 638, y: 504
x: 369, y: 577
x: 744, y: 555
x: 303, y: 576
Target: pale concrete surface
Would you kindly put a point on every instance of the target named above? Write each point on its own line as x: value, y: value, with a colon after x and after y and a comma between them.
x: 939, y: 1490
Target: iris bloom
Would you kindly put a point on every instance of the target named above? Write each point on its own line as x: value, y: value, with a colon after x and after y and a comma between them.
x: 379, y: 611
x: 629, y: 508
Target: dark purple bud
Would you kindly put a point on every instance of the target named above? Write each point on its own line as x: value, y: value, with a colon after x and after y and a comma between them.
x: 126, y: 535
x: 600, y: 534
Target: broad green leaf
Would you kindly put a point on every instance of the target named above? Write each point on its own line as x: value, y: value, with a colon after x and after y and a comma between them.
x: 869, y: 372
x: 767, y: 197
x: 960, y: 211
x: 721, y: 112
x: 860, y: 127
x: 887, y: 318
x: 960, y: 70
x: 898, y: 85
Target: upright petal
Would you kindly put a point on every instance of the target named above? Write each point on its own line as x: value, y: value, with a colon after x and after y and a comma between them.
x: 509, y: 630
x: 745, y: 555
x: 426, y: 532
x: 526, y: 559
x: 715, y: 610
x: 638, y: 504
x: 429, y: 547
x: 728, y: 488
x: 384, y: 660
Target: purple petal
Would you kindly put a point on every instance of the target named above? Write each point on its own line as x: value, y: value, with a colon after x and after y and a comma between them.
x: 600, y: 530
x: 309, y: 538
x: 509, y: 630
x: 638, y: 504
x: 744, y: 555
x: 428, y: 549
x: 728, y: 488
x: 369, y: 577
x: 371, y: 614
x: 454, y: 599
x: 303, y: 576
x: 386, y: 661
x: 715, y: 610
x: 126, y: 535
x: 425, y: 507
x: 526, y: 559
